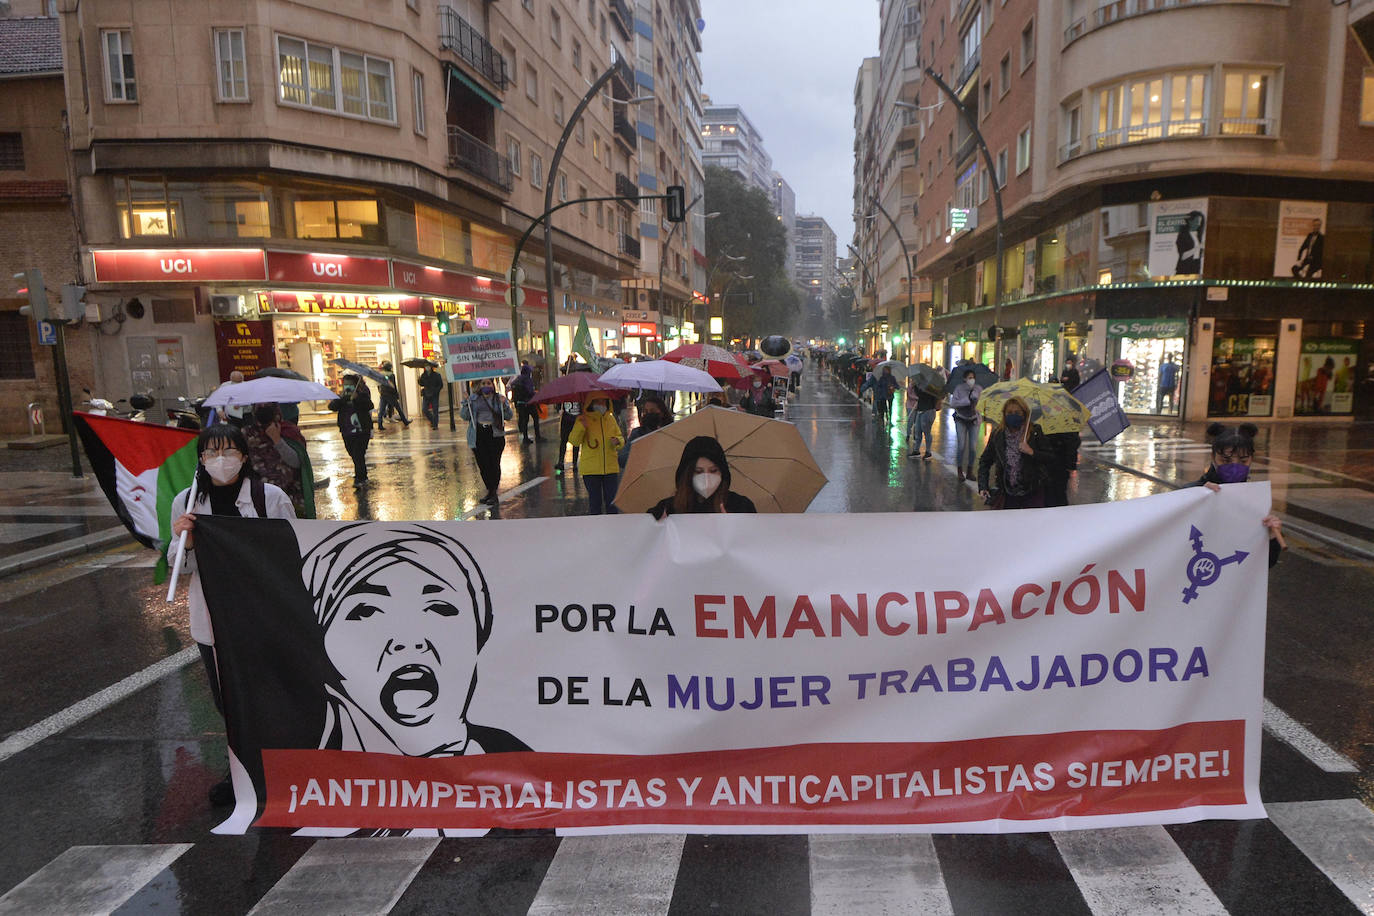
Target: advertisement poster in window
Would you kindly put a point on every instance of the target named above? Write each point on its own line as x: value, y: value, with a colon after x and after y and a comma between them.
x: 1242, y: 377
x: 1302, y: 239
x: 1326, y: 377
x: 1178, y: 229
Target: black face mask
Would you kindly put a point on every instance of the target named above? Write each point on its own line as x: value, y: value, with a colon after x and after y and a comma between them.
x: 1015, y: 421
x: 265, y: 415
x: 651, y: 421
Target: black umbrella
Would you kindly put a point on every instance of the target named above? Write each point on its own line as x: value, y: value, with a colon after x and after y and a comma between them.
x: 278, y: 372
x: 416, y: 362
x: 982, y: 376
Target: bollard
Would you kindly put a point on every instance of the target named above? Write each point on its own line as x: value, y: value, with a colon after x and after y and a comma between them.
x: 36, y: 419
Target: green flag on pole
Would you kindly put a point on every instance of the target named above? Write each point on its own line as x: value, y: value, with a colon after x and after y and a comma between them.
x: 582, y: 343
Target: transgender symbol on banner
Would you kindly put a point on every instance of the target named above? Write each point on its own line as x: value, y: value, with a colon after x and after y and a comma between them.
x: 404, y: 617
x: 1205, y: 568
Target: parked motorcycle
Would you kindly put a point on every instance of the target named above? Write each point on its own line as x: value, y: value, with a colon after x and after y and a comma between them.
x: 133, y: 408
x: 188, y: 414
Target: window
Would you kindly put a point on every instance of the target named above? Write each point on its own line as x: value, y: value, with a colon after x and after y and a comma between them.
x: 577, y: 55
x: 1150, y: 108
x: 16, y: 349
x: 1073, y: 125
x: 1245, y: 105
x: 562, y: 187
x: 231, y: 65
x: 556, y: 27
x: 322, y: 77
x: 596, y: 146
x: 1004, y: 75
x: 1023, y: 150
x: 119, y: 65
x: 600, y: 215
x: 532, y: 83
x: 582, y: 193
x: 536, y: 170
x: 581, y: 132
x: 558, y: 107
x: 604, y: 39
x: 982, y: 185
x: 1028, y: 45
x: 12, y: 152
x: 987, y: 98
x: 417, y: 91
x: 512, y: 65
x: 337, y: 219
x: 591, y: 13
x: 513, y: 154
x: 528, y: 5
x: 1002, y: 169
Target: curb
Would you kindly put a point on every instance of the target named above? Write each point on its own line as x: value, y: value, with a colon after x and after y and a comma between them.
x: 88, y: 543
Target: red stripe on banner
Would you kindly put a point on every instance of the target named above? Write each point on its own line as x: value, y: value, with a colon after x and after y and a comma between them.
x: 137, y: 446
x: 1018, y: 778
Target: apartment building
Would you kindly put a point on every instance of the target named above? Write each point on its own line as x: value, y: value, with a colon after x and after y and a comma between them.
x: 733, y: 143
x: 284, y: 182
x: 1187, y: 189
x: 816, y: 265
x: 785, y: 206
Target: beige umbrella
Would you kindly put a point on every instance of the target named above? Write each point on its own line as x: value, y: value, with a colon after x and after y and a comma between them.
x: 769, y: 462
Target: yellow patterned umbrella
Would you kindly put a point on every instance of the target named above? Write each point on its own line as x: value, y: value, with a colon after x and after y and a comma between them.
x: 1051, y: 406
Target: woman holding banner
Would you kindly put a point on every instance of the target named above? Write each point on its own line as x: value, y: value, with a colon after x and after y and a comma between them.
x: 487, y: 412
x: 226, y: 484
x: 703, y: 483
x: 1232, y: 452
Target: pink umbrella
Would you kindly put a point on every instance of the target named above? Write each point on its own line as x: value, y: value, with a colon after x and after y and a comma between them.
x: 717, y: 362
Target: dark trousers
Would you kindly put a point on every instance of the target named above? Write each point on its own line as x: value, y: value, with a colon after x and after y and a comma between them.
x: 601, y: 490
x: 523, y: 414
x: 1033, y: 500
x: 388, y: 404
x: 488, y: 451
x: 565, y: 426
x: 1057, y: 488
x: 356, y: 446
x: 429, y: 406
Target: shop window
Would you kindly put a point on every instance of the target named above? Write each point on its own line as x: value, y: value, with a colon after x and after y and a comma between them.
x: 440, y: 235
x: 1328, y: 368
x: 1242, y: 378
x: 338, y: 219
x: 491, y: 250
x: 16, y: 349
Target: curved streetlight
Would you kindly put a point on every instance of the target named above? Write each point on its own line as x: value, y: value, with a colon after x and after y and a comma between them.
x: 723, y: 293
x: 662, y: 251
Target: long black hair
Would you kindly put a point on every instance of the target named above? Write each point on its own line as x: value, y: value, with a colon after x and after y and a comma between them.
x: 1235, y: 442
x: 219, y: 436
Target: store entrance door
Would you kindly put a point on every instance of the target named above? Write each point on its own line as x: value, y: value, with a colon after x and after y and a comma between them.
x: 1154, y: 386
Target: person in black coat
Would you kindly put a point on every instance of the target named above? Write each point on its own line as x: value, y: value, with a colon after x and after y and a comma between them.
x: 1232, y: 451
x: 703, y: 483
x: 354, y: 407
x: 1063, y: 461
x: 1019, y: 451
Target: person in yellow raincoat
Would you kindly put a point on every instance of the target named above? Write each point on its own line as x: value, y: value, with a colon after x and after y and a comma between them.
x: 600, y: 440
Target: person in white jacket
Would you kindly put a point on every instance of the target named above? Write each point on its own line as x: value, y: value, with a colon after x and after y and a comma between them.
x: 226, y: 484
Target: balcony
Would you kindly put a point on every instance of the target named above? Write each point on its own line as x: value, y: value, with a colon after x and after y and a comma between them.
x: 1155, y: 130
x: 473, y: 156
x: 625, y: 187
x: 622, y: 17
x: 967, y: 72
x: 625, y: 132
x: 1115, y: 11
x: 623, y: 78
x: 629, y: 246
x: 968, y: 148
x: 456, y: 34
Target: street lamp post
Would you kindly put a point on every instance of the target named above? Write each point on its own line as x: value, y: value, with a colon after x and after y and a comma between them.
x: 723, y: 293
x: 906, y: 254
x: 662, y: 252
x: 551, y: 336
x: 972, y: 123
x: 868, y: 274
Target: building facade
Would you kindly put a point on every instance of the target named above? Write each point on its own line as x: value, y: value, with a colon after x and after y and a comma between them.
x: 1187, y: 190
x: 785, y: 206
x: 733, y: 143
x: 285, y: 182
x: 816, y: 265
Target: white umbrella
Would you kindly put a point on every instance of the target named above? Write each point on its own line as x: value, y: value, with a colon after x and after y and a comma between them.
x: 660, y: 375
x: 794, y: 362
x: 899, y: 369
x: 268, y: 390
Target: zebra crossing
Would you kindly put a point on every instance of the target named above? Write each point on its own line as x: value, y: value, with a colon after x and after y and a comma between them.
x: 1310, y: 857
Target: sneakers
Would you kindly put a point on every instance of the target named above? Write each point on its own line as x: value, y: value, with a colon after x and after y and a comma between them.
x: 407, y: 423
x: 961, y: 475
x: 926, y: 456
x: 913, y: 454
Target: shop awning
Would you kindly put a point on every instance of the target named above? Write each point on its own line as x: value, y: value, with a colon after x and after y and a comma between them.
x: 463, y: 78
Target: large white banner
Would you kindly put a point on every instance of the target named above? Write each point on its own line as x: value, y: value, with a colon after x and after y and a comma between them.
x: 1178, y: 232
x: 1087, y: 666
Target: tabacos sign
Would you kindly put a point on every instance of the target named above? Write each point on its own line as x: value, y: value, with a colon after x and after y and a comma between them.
x: 152, y: 265
x: 1147, y: 327
x: 328, y: 302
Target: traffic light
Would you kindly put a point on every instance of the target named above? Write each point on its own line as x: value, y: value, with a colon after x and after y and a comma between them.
x: 442, y: 318
x: 676, y: 203
x: 37, y: 309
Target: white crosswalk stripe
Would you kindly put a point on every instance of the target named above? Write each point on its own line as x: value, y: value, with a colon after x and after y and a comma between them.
x: 1125, y: 870
x: 91, y: 880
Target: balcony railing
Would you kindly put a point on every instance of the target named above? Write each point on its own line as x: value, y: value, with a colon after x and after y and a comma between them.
x: 1139, y: 133
x: 623, y: 18
x: 1247, y: 127
x: 625, y: 131
x: 624, y: 75
x: 966, y: 149
x: 625, y: 187
x: 471, y: 155
x: 966, y: 72
x: 629, y: 245
x: 1115, y: 11
x: 456, y: 34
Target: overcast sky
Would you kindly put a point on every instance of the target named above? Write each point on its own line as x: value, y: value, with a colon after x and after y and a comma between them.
x: 791, y: 66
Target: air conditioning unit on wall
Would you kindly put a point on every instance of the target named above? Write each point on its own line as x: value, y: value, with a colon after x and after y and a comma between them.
x: 226, y: 306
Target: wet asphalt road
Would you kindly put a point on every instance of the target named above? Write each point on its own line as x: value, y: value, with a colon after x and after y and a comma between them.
x: 136, y: 773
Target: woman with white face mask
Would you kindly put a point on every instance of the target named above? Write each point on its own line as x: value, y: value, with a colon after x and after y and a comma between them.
x: 703, y: 483
x: 226, y: 484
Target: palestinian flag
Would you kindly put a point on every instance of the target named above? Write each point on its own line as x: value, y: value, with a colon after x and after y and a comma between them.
x: 141, y: 467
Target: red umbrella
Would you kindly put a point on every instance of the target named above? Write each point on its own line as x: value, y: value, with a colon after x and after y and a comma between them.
x: 573, y: 386
x: 716, y: 361
x: 764, y: 369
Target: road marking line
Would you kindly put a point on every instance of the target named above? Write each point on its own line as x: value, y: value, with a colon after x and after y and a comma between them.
x: 623, y: 873
x: 1292, y: 733
x: 93, y: 880
x: 359, y: 877
x: 894, y: 874
x: 96, y: 702
x: 501, y: 497
x: 1135, y: 870
x: 1338, y: 836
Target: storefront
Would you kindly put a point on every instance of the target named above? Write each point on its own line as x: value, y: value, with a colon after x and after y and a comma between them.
x: 1328, y: 368
x: 1244, y: 352
x: 1039, y: 360
x: 1154, y: 348
x: 638, y: 331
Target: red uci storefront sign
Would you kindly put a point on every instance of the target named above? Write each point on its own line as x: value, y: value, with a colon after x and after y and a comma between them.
x: 178, y: 265
x: 300, y: 267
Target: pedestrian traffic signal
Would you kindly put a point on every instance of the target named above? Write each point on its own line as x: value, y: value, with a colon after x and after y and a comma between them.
x: 37, y: 309
x: 676, y: 203
x: 442, y: 318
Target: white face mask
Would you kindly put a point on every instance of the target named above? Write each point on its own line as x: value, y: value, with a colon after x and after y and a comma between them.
x: 224, y: 469
x: 598, y: 408
x: 758, y: 384
x: 705, y: 483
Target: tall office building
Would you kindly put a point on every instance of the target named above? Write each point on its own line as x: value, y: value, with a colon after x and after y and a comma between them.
x: 815, y: 259
x: 785, y: 207
x: 732, y: 142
